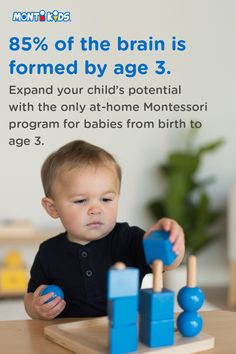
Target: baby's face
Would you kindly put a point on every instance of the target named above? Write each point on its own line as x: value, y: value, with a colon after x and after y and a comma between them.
x: 86, y: 200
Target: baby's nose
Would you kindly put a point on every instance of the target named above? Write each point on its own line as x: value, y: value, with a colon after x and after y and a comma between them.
x: 94, y: 210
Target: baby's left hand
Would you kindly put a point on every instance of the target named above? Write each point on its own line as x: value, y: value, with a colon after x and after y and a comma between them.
x: 176, y: 233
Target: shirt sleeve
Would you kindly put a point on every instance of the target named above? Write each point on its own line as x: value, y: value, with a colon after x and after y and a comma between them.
x: 37, y: 273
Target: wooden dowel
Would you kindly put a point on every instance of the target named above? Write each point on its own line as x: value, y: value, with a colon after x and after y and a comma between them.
x: 157, y: 268
x: 119, y: 266
x: 192, y: 272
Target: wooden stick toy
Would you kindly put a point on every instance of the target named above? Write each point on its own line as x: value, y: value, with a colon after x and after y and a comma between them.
x: 157, y: 268
x: 190, y: 299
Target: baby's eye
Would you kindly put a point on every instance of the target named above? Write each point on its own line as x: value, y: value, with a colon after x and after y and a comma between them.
x: 106, y: 200
x: 80, y: 201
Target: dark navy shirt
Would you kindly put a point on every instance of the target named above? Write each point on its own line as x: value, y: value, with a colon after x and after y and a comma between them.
x: 81, y: 270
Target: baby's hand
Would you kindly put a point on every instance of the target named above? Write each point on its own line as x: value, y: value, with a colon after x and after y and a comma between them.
x: 176, y: 233
x: 50, y: 310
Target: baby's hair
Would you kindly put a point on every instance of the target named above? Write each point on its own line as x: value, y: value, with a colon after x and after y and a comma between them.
x: 77, y: 153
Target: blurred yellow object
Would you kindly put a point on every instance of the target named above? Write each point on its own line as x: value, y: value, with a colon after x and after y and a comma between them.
x: 13, y: 259
x: 13, y: 274
x: 13, y: 281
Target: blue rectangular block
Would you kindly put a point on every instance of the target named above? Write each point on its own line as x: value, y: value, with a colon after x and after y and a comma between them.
x: 156, y: 306
x: 123, y: 339
x: 123, y: 282
x: 123, y: 311
x: 156, y: 333
x: 158, y: 246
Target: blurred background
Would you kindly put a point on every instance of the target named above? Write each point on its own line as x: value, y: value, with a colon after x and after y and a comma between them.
x: 175, y: 172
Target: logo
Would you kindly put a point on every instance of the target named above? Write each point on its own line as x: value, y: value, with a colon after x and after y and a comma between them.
x: 41, y: 16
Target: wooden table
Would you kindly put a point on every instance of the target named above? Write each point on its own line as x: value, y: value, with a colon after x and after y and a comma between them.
x: 26, y: 337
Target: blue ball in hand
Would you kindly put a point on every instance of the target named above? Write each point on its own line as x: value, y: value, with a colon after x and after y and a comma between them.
x: 52, y: 289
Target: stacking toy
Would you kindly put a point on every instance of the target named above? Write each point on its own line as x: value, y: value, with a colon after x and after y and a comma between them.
x: 123, y: 287
x: 190, y: 299
x: 157, y: 246
x: 189, y: 324
x: 55, y: 289
x: 157, y: 312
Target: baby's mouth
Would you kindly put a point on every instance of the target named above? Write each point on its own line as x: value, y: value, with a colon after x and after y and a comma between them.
x: 94, y: 224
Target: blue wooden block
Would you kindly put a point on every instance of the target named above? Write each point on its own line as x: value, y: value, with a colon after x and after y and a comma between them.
x: 123, y: 310
x: 156, y: 333
x: 158, y: 246
x: 123, y: 282
x: 156, y: 306
x: 123, y: 339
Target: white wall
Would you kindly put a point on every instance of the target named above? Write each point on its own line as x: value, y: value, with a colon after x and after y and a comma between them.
x: 205, y: 70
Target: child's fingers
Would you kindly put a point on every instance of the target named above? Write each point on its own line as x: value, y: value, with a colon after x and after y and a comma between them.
x: 58, y: 309
x: 55, y: 310
x: 48, y: 306
x: 166, y: 224
x: 40, y: 300
x: 38, y: 290
x: 178, y: 241
x: 177, y: 247
x: 175, y: 232
x: 162, y: 224
x: 155, y: 227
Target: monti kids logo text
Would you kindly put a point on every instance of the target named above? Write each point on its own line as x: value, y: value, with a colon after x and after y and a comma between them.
x: 41, y: 16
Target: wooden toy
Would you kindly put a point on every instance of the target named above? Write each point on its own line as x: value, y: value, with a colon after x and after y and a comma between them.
x: 123, y: 286
x: 157, y: 246
x: 157, y: 312
x: 123, y: 339
x: 113, y: 334
x: 189, y: 324
x: 122, y: 281
x: 13, y: 274
x: 190, y: 299
x: 123, y: 310
x: 157, y: 303
x: 55, y: 289
x: 92, y: 337
x: 13, y: 259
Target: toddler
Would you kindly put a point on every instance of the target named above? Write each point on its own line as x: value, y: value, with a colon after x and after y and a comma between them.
x: 82, y: 182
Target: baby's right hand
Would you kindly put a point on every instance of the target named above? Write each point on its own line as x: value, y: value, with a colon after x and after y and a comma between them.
x: 50, y: 310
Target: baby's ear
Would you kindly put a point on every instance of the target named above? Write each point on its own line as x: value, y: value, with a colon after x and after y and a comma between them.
x: 50, y: 208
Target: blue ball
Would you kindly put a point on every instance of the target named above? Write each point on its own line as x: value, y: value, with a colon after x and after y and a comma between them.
x: 189, y: 324
x: 190, y: 299
x: 55, y: 289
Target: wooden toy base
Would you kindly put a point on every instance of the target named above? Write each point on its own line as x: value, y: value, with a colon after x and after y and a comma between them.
x: 91, y: 337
